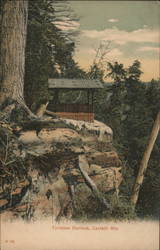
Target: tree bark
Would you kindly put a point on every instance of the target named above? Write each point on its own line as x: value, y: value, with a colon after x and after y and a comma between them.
x: 13, y: 43
x: 42, y: 109
x: 145, y: 159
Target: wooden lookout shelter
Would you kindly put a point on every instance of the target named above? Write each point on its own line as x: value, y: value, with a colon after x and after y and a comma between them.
x: 77, y: 111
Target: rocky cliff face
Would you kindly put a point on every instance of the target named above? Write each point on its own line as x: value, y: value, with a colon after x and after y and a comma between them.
x: 67, y: 164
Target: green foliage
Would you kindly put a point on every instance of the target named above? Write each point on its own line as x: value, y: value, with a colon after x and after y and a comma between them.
x: 134, y: 72
x: 12, y: 167
x: 129, y: 107
x: 92, y: 209
x: 48, y: 53
x: 116, y: 71
x: 121, y: 208
x: 95, y: 73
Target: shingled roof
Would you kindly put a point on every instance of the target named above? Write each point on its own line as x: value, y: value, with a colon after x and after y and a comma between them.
x: 74, y: 84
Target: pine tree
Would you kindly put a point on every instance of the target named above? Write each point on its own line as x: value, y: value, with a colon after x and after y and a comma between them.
x: 49, y: 53
x: 130, y: 108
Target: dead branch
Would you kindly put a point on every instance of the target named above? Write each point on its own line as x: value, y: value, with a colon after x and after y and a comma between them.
x: 145, y: 159
x: 91, y: 183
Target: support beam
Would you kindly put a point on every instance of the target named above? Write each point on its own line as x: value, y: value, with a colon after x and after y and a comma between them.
x: 92, y: 101
x: 56, y: 99
x: 88, y: 95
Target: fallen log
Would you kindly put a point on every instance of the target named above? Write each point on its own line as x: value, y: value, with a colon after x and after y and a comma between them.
x: 90, y: 182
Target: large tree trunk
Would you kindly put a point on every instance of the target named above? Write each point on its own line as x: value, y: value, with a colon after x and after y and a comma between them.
x: 13, y: 42
x: 145, y: 159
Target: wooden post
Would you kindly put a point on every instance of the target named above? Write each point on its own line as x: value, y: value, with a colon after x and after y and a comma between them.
x: 92, y: 101
x: 56, y: 99
x: 145, y: 159
x: 88, y: 96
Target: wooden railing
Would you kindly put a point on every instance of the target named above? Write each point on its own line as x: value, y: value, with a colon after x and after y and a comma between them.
x: 74, y: 111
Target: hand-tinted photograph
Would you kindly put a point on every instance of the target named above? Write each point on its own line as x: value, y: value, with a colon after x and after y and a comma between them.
x: 79, y: 125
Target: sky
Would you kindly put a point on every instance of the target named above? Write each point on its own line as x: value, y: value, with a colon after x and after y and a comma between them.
x: 132, y: 29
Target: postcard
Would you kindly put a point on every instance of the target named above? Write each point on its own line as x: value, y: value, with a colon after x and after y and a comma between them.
x: 79, y: 125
